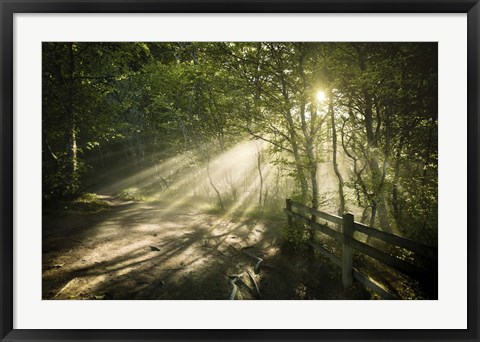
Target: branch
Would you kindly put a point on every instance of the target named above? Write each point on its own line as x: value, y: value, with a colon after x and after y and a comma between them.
x: 109, y: 77
x: 267, y: 140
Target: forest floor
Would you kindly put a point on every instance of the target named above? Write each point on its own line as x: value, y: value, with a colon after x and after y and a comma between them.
x: 147, y: 250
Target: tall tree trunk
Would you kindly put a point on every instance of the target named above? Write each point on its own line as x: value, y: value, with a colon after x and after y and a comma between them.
x: 302, y: 180
x: 373, y: 217
x: 341, y: 208
x: 71, y: 131
x: 396, y: 177
x: 427, y: 162
x: 299, y: 165
x: 373, y: 145
x: 383, y: 213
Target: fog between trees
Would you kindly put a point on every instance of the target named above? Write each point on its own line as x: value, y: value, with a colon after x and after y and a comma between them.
x: 243, y: 126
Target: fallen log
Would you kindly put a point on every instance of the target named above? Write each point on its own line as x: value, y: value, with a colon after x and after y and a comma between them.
x: 235, y: 288
x: 256, y: 269
x: 254, y: 283
x: 233, y: 281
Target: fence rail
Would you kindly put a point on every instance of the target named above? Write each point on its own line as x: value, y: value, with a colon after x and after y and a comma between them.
x: 348, y: 227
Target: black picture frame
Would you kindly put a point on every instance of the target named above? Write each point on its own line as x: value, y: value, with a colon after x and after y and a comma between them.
x: 10, y: 7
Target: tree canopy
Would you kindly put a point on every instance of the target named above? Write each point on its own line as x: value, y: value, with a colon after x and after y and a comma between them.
x: 367, y: 112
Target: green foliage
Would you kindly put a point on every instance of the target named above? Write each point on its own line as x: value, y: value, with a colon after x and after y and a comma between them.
x: 87, y: 202
x: 215, y: 209
x: 88, y: 197
x: 133, y: 194
x: 128, y: 106
x: 296, y: 235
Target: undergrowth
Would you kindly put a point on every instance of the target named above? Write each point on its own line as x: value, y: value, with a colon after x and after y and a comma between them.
x: 88, y: 202
x: 133, y: 194
x: 294, y: 236
x: 84, y: 203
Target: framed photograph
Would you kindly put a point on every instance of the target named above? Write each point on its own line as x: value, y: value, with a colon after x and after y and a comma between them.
x: 248, y: 170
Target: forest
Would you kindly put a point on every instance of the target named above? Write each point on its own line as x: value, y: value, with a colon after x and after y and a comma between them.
x: 169, y: 170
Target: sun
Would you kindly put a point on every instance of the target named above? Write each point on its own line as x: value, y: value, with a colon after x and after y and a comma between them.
x: 321, y: 96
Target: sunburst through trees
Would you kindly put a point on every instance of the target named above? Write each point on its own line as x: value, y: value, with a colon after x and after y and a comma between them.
x: 166, y: 166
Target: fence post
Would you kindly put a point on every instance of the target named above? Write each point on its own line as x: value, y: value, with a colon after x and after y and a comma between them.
x: 347, y: 250
x: 288, y: 205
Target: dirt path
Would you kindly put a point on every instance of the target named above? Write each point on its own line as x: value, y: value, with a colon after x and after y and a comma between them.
x: 136, y: 250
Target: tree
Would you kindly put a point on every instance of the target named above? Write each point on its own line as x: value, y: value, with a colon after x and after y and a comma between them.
x: 132, y: 106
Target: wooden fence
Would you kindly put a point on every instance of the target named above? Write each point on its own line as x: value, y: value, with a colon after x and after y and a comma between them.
x: 348, y: 243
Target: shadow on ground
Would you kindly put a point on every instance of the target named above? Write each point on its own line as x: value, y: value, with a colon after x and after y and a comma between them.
x: 135, y: 250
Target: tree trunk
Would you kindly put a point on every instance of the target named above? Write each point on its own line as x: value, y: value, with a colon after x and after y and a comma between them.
x: 341, y: 196
x: 294, y: 143
x: 383, y: 215
x: 300, y: 171
x: 427, y: 162
x: 219, y: 197
x: 396, y: 176
x: 71, y: 131
x: 373, y: 145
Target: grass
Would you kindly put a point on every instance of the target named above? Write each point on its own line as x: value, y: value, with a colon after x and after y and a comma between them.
x: 88, y: 202
x: 133, y: 194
